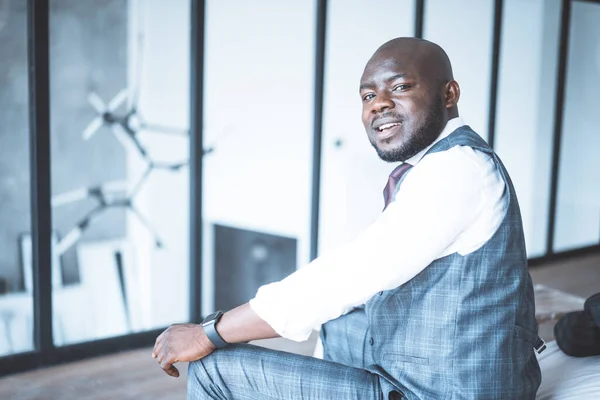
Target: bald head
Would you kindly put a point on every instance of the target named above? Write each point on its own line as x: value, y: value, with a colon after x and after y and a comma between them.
x: 408, y: 94
x: 427, y: 57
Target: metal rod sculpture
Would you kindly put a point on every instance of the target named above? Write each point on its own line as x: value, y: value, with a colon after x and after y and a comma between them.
x: 125, y: 128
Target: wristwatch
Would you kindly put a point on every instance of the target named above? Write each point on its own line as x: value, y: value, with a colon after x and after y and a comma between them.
x: 210, y: 328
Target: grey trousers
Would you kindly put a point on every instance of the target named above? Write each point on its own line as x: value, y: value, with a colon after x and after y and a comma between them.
x: 246, y: 372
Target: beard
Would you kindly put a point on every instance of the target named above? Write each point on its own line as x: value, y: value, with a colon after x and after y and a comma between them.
x: 419, y: 138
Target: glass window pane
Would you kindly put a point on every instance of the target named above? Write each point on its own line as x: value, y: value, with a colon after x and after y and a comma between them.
x: 258, y: 115
x: 16, y: 283
x: 120, y: 188
x: 525, y: 108
x: 578, y: 201
x: 352, y: 175
x: 464, y: 29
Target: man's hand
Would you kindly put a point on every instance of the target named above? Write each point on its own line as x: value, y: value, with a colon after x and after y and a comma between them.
x: 181, y: 343
x: 188, y: 342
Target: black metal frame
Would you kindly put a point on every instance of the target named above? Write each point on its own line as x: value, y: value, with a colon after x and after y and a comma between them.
x: 565, y: 27
x: 320, y: 37
x: 496, y: 42
x: 320, y: 47
x: 563, y: 54
x: 419, y: 14
x: 550, y: 255
x: 41, y: 224
x: 558, y: 119
x: 39, y: 128
x: 45, y: 352
x: 564, y: 255
x: 196, y: 154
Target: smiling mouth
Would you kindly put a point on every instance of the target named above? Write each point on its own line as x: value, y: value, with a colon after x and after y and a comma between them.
x: 386, y: 127
x: 386, y: 131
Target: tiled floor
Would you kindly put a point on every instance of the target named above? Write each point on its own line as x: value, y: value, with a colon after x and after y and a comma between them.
x: 135, y: 375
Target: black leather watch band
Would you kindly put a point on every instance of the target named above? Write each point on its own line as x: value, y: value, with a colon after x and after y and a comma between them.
x: 210, y: 328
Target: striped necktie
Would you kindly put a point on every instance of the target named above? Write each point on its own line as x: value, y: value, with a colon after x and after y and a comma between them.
x: 394, y: 178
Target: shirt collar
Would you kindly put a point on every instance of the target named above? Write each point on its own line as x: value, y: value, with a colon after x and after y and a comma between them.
x: 450, y: 127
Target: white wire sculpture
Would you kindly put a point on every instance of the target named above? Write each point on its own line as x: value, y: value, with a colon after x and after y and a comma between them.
x: 115, y: 194
x: 126, y: 127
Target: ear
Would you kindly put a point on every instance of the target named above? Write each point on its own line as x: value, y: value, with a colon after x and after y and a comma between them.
x: 452, y: 94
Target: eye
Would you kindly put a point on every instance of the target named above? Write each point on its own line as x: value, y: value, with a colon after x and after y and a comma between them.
x: 368, y: 96
x: 401, y: 87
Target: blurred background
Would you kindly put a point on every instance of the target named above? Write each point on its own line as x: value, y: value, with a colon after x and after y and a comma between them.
x: 200, y: 149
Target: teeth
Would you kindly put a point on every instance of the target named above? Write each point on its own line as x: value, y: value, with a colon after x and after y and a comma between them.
x: 387, y: 126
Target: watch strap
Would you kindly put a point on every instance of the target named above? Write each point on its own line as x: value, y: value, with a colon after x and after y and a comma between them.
x: 210, y: 328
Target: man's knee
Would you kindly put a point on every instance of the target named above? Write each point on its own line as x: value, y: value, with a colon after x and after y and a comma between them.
x: 205, y: 369
x: 201, y: 380
x: 196, y: 376
x: 208, y: 377
x: 196, y: 369
x: 208, y: 366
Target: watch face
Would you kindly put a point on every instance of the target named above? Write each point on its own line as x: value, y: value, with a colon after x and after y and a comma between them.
x: 211, y: 318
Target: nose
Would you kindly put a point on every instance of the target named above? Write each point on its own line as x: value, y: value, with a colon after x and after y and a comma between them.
x: 382, y: 103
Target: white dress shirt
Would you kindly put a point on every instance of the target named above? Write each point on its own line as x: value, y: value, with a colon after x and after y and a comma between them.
x: 450, y: 202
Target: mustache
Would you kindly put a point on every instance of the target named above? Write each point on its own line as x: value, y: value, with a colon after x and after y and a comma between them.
x: 387, y: 116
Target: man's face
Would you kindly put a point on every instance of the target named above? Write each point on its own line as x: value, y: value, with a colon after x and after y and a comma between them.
x: 403, y: 112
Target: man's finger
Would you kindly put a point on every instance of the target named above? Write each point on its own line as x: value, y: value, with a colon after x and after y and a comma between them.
x: 160, y: 337
x: 157, y: 349
x: 161, y: 356
x: 167, y: 366
x: 174, y: 372
x: 171, y: 371
x: 157, y: 344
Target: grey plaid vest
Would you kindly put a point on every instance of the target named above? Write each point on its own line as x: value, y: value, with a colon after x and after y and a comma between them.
x: 464, y: 328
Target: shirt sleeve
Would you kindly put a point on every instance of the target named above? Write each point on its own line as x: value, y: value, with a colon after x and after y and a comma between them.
x: 439, y: 199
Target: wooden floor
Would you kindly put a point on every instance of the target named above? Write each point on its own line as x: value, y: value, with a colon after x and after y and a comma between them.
x: 135, y: 375
x: 579, y: 276
x: 129, y: 375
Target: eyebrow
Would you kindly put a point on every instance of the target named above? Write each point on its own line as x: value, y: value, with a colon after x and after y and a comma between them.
x: 368, y: 85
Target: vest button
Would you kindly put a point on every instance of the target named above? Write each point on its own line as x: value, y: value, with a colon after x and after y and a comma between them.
x: 371, y: 341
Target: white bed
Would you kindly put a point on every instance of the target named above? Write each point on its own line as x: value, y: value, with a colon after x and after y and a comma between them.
x: 565, y: 377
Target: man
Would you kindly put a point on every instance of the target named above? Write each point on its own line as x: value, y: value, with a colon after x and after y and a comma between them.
x: 432, y: 301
